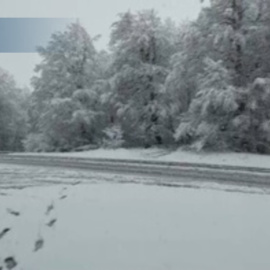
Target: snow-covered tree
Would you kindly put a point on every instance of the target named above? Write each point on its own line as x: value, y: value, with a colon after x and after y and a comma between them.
x: 68, y: 63
x: 195, y: 82
x: 206, y: 125
x: 251, y: 127
x: 63, y: 103
x: 141, y: 51
x: 12, y: 113
x: 240, y: 34
x: 186, y: 64
x: 231, y: 32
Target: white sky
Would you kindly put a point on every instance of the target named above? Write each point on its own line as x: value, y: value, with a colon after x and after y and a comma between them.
x: 96, y: 16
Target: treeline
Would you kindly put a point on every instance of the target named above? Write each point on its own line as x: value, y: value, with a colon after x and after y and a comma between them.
x: 203, y: 85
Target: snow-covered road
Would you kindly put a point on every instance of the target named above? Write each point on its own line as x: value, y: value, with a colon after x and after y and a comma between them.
x: 164, y: 173
x: 95, y: 221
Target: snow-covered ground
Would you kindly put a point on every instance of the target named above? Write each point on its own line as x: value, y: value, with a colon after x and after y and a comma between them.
x: 233, y: 159
x: 106, y: 225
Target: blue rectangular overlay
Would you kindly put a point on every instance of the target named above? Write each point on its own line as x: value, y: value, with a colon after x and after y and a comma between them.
x: 24, y: 35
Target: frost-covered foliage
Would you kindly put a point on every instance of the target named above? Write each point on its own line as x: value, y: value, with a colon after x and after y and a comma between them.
x: 252, y: 126
x: 197, y: 84
x: 65, y: 106
x: 35, y: 142
x: 138, y: 104
x: 186, y: 64
x: 13, y: 102
x: 224, y: 107
x: 207, y: 122
x: 142, y: 46
x: 223, y: 117
x: 69, y: 63
x: 56, y: 124
x: 113, y: 137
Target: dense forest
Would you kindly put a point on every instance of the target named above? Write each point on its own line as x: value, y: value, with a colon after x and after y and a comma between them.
x: 201, y: 85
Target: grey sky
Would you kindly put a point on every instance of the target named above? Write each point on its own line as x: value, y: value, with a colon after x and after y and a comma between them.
x: 96, y: 16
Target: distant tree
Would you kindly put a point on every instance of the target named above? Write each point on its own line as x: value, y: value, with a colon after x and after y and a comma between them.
x: 12, y: 113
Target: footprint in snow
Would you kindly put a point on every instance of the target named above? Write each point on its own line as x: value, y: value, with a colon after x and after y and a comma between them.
x: 10, y: 263
x: 12, y: 212
x: 39, y: 244
x: 76, y: 183
x: 63, y: 197
x: 4, y: 232
x: 51, y: 222
x: 49, y: 208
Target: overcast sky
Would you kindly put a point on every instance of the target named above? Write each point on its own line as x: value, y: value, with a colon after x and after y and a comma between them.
x: 96, y: 16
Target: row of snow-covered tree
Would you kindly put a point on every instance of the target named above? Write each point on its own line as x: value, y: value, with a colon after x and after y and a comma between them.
x: 204, y: 85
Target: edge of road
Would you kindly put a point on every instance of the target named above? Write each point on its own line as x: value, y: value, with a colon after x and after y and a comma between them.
x: 248, y: 176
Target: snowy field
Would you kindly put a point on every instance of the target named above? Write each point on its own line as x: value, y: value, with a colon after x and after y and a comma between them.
x: 78, y: 220
x: 232, y: 159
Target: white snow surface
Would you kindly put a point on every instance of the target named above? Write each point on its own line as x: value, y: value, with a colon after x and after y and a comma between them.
x: 105, y: 225
x: 232, y: 159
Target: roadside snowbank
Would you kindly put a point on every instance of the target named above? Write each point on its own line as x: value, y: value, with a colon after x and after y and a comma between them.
x: 232, y: 159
